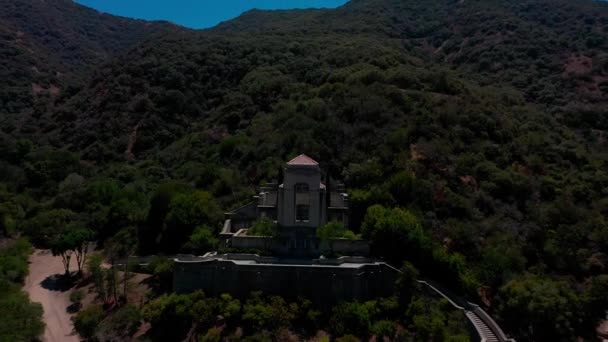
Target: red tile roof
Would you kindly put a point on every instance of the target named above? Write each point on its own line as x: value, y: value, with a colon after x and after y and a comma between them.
x: 302, y: 159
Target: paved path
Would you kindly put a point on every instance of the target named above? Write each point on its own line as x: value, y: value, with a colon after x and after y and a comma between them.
x: 45, y: 287
x: 485, y: 326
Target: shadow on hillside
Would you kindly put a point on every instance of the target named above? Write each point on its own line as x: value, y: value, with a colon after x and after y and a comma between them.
x: 57, y: 282
x: 73, y: 308
x: 81, y: 281
x: 158, y: 285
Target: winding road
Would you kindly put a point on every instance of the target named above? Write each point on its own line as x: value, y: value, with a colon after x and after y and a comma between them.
x: 44, y: 285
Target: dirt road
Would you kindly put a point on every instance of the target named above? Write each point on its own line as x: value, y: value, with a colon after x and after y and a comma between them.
x: 45, y: 287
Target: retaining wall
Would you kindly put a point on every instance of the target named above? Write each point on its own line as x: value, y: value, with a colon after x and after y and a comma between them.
x: 321, y: 284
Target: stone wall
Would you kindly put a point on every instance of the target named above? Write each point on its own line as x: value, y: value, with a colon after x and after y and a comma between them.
x: 352, y: 247
x: 324, y: 285
x: 301, y: 174
x: 243, y: 241
x: 284, y: 246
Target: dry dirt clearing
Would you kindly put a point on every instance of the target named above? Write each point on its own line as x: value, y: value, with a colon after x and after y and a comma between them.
x: 44, y: 286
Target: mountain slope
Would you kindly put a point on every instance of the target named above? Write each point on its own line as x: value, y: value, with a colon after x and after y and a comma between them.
x: 76, y: 35
x: 500, y: 40
x: 48, y: 45
x: 485, y: 119
x: 550, y: 51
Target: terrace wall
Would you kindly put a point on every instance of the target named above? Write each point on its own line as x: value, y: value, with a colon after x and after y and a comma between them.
x: 321, y: 284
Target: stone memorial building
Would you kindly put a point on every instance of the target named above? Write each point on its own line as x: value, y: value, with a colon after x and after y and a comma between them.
x: 301, y: 204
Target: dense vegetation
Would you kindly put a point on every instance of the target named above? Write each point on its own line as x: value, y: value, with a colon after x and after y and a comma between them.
x: 49, y: 46
x: 472, y: 137
x: 21, y: 319
x: 409, y: 315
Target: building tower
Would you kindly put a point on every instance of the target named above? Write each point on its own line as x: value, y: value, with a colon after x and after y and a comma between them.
x: 302, y: 195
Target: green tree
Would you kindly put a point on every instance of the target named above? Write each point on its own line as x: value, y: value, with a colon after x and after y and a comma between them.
x: 348, y: 338
x: 214, y: 334
x: 407, y: 284
x: 71, y: 193
x: 23, y: 147
x: 187, y: 211
x: 228, y: 307
x: 149, y: 232
x: 78, y: 238
x: 127, y: 208
x: 72, y: 239
x: 202, y: 240
x: 350, y: 318
x: 271, y: 313
x: 540, y: 309
x: 121, y: 246
x: 21, y: 319
x: 500, y: 260
x: 267, y: 228
x: 329, y: 232
x: 76, y: 297
x: 383, y: 328
x: 162, y: 269
x: 595, y: 301
x: 43, y: 227
x: 94, y: 266
x: 13, y: 261
x: 87, y: 321
x: 430, y: 319
x: 172, y: 315
x: 61, y: 246
x: 120, y: 325
x: 396, y: 233
x: 263, y: 227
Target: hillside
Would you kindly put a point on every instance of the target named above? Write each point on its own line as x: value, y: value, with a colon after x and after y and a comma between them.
x: 75, y: 35
x: 560, y: 63
x: 551, y: 42
x: 484, y: 122
x: 48, y: 46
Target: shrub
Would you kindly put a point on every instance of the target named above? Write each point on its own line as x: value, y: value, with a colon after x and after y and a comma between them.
x: 350, y: 318
x: 123, y: 323
x: 348, y: 338
x: 202, y: 240
x: 76, y: 297
x: 213, y: 335
x: 263, y: 227
x: 87, y: 320
x: 383, y: 328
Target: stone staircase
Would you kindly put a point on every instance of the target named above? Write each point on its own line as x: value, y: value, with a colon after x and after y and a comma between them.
x: 483, y: 330
x: 487, y: 329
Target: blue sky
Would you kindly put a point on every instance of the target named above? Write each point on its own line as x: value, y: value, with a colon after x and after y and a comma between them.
x: 197, y: 13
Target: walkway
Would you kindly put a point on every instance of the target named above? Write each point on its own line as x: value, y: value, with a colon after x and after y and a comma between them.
x: 44, y: 285
x: 487, y: 329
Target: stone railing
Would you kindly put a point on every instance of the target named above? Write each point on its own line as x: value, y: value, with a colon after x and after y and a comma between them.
x: 243, y: 241
x: 226, y: 231
x: 489, y: 321
x: 487, y: 329
x: 344, y: 260
x: 273, y: 260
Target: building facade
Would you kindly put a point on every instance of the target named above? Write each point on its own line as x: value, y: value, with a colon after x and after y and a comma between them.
x: 324, y: 281
x: 301, y: 204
